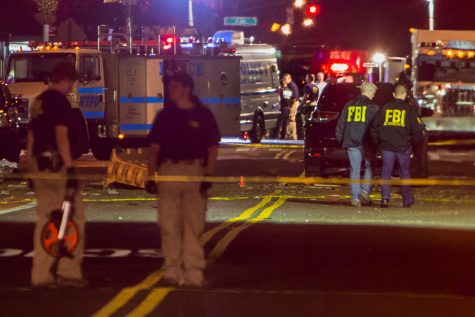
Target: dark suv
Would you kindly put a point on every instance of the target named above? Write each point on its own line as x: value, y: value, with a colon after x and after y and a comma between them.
x: 324, y: 154
x: 12, y: 133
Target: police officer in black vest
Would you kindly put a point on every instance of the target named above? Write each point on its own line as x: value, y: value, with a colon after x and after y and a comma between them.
x: 395, y: 128
x: 183, y: 142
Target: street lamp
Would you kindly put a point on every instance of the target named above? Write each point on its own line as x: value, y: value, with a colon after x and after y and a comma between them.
x: 308, y: 22
x: 431, y: 14
x: 299, y: 3
x: 379, y: 58
x: 286, y: 29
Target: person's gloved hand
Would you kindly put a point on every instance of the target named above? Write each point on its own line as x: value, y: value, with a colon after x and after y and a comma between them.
x: 151, y: 187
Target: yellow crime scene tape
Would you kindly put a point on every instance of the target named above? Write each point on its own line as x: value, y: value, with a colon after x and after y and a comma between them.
x: 258, y: 179
x: 157, y: 295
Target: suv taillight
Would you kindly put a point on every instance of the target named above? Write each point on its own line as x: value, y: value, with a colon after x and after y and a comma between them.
x: 324, y: 116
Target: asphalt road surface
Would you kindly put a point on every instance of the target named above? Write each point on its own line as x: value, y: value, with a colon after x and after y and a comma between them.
x: 274, y: 249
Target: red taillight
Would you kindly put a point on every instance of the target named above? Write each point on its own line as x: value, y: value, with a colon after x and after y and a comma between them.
x: 339, y: 67
x: 230, y: 50
x: 316, y: 154
x: 169, y: 40
x: 245, y: 135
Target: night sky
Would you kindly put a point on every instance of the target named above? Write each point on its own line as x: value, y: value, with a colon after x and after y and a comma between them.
x: 367, y: 24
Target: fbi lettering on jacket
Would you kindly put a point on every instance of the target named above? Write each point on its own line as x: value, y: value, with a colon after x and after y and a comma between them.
x: 395, y: 117
x: 356, y: 114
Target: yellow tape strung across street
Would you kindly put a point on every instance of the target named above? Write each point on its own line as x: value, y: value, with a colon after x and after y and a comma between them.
x: 265, y: 179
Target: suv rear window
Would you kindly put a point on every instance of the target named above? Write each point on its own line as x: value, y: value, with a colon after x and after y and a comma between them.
x: 335, y: 96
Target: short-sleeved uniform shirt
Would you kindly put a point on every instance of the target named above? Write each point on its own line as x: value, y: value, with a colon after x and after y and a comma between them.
x: 184, y: 134
x: 311, y: 90
x: 48, y: 110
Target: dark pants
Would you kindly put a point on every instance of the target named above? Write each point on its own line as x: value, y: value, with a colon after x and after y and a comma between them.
x: 404, y: 160
x: 282, y: 123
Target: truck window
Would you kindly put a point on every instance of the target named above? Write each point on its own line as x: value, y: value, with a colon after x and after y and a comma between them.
x: 437, y: 68
x: 35, y: 67
x: 89, y: 68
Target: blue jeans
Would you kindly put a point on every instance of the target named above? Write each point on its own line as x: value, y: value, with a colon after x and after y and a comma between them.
x: 357, y: 155
x: 404, y: 160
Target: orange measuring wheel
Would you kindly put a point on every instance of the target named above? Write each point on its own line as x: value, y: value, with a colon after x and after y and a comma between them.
x: 49, y: 237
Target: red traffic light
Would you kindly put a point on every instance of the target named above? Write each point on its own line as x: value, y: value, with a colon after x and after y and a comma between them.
x: 169, y: 40
x: 312, y: 10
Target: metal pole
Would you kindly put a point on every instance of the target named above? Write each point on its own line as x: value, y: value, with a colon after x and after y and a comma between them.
x: 129, y: 26
x: 190, y: 13
x: 431, y: 15
x: 380, y: 79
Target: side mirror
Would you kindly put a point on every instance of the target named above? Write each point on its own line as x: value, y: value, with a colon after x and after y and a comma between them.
x: 426, y: 112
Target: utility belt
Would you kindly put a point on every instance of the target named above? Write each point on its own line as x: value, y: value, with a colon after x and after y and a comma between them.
x: 49, y: 161
x: 186, y: 162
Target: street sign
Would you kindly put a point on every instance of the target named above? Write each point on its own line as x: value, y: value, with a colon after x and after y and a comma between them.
x: 240, y: 21
x: 370, y: 65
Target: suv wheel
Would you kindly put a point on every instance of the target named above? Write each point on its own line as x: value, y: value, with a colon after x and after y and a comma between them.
x: 258, y: 130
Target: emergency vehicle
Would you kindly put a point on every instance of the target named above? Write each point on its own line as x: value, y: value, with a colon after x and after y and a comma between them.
x: 348, y: 66
x: 119, y: 93
x: 443, y: 76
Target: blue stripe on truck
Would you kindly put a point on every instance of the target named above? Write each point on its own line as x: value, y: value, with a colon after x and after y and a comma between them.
x: 93, y: 114
x: 91, y: 90
x: 141, y: 100
x: 135, y: 127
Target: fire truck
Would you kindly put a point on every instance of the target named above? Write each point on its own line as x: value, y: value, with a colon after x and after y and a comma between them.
x: 443, y: 76
x: 120, y: 92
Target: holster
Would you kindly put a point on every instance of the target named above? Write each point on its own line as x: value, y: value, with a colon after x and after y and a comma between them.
x: 50, y: 161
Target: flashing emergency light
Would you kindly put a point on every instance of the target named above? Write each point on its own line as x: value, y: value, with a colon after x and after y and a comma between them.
x: 275, y: 27
x: 308, y: 22
x: 299, y: 3
x: 339, y: 67
x: 313, y: 10
x: 286, y: 29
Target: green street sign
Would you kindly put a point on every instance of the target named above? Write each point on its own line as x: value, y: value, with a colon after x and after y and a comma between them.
x: 240, y: 21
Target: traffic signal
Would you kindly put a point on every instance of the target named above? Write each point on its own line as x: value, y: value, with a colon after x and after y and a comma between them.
x: 312, y: 10
x: 169, y: 44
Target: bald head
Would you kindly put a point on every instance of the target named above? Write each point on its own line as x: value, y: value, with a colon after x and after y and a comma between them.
x: 400, y: 92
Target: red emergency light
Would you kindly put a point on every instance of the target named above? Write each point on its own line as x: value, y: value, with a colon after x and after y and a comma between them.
x: 313, y: 10
x: 339, y: 67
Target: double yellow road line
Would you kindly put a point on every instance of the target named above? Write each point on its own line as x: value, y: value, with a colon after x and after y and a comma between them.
x: 233, y: 226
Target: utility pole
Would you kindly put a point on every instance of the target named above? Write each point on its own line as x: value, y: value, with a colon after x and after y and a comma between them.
x: 431, y: 14
x: 190, y: 13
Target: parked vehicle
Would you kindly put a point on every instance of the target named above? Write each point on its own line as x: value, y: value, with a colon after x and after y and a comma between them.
x: 324, y: 155
x: 12, y: 132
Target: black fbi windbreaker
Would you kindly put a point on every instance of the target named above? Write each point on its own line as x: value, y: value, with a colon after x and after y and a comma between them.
x: 354, y: 122
x: 396, y: 127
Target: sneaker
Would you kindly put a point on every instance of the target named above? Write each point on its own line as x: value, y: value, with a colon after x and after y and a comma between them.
x: 204, y: 284
x: 45, y: 285
x: 72, y: 282
x: 408, y: 205
x: 384, y: 203
x: 364, y: 198
x: 168, y: 282
x: 356, y: 203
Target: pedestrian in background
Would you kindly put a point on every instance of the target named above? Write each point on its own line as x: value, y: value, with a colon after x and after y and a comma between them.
x: 49, y: 152
x: 395, y: 129
x: 352, y: 132
x: 289, y: 95
x: 321, y: 83
x: 183, y: 142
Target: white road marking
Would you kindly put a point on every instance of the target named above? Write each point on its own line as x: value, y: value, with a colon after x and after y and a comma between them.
x: 18, y: 208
